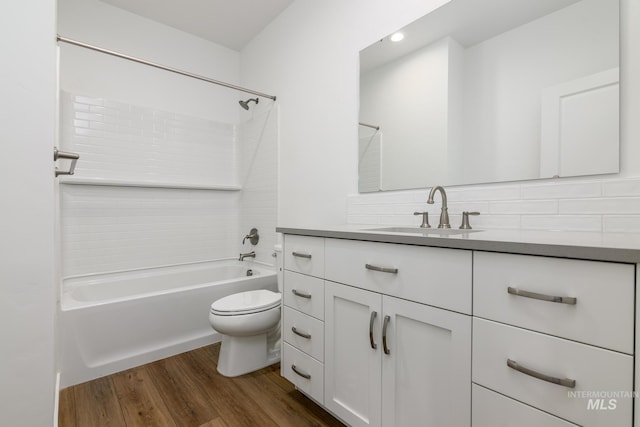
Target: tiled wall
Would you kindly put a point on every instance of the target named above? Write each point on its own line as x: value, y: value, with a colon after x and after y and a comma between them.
x: 598, y: 204
x: 113, y: 228
x: 108, y: 228
x: 128, y: 142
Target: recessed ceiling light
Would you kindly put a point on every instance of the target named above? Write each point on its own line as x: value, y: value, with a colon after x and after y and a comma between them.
x: 396, y: 37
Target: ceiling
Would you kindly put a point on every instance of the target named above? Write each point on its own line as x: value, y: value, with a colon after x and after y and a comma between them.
x: 230, y: 23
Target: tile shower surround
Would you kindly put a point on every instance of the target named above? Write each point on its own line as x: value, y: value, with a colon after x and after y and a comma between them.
x: 122, y: 141
x: 572, y: 204
x: 113, y: 228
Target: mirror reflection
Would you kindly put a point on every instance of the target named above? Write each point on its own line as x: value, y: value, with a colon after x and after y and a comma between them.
x: 483, y: 91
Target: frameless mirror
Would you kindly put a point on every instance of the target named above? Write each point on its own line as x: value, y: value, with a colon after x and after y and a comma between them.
x: 482, y: 91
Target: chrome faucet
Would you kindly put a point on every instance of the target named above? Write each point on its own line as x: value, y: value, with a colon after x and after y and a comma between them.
x: 444, y: 215
x: 251, y: 254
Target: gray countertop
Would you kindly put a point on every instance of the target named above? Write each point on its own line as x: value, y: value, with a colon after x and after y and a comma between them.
x: 617, y: 247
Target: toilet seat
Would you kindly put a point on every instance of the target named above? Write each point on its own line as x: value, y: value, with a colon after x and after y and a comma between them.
x: 246, y: 303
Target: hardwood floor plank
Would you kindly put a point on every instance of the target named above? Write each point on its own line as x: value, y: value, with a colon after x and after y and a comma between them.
x: 97, y: 404
x: 218, y: 422
x: 235, y: 408
x: 67, y: 408
x: 140, y: 401
x: 174, y: 379
x: 277, y: 402
x: 187, y: 391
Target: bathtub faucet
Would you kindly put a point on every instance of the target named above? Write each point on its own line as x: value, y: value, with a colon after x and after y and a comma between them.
x: 251, y: 254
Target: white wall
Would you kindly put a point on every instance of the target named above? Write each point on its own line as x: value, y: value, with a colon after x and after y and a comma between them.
x: 309, y: 57
x: 27, y: 297
x: 85, y: 72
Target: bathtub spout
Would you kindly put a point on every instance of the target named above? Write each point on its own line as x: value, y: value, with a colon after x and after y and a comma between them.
x: 251, y: 254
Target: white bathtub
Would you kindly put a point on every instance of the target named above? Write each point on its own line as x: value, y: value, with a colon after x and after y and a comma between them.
x: 111, y: 322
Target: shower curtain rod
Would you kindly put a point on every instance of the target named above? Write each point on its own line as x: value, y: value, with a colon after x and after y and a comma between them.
x: 162, y: 67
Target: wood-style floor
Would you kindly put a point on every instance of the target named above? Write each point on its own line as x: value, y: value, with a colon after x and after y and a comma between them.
x: 186, y: 390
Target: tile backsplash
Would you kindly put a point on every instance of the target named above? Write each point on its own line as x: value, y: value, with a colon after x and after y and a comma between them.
x: 609, y: 205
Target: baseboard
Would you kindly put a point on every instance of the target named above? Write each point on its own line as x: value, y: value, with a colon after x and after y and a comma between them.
x: 56, y: 401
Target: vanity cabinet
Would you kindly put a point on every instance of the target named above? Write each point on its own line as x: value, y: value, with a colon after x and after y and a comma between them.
x: 546, y: 330
x: 391, y: 359
x: 393, y: 362
x: 303, y: 315
x: 406, y: 335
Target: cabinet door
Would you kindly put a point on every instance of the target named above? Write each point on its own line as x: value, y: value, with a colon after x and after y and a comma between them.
x: 426, y: 375
x: 352, y: 364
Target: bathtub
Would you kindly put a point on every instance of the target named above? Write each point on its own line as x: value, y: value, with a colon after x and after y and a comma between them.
x: 115, y: 321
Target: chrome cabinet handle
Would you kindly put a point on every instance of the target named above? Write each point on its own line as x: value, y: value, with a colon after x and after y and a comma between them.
x: 542, y: 297
x: 567, y: 382
x: 300, y: 334
x: 300, y: 294
x: 381, y: 269
x: 301, y: 255
x: 302, y: 374
x: 371, y: 320
x: 385, y: 323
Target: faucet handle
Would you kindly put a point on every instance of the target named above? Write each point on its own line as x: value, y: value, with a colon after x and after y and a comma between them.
x: 252, y: 236
x: 465, y: 220
x: 425, y: 219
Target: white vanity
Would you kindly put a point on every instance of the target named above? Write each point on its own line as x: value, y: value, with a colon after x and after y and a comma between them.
x: 487, y: 329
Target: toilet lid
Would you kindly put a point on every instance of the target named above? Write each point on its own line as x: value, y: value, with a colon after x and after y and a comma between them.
x: 246, y: 302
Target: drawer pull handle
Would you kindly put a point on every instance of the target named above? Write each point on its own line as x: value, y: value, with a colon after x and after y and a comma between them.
x: 302, y: 374
x: 300, y: 334
x: 381, y: 269
x: 301, y: 255
x: 371, y: 320
x: 384, y: 334
x: 567, y: 382
x: 542, y: 297
x: 300, y: 294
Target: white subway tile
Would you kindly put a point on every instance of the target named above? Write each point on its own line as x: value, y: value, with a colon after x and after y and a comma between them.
x: 621, y: 188
x: 496, y: 221
x: 621, y: 223
x: 524, y: 207
x: 88, y: 100
x: 475, y: 193
x: 604, y: 206
x: 562, y: 222
x: 561, y: 190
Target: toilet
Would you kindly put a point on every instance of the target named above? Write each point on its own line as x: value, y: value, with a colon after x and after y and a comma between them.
x: 250, y: 324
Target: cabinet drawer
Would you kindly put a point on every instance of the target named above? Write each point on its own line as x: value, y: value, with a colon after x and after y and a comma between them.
x: 309, y: 377
x: 603, y: 311
x: 494, y: 410
x: 593, y: 369
x: 304, y: 254
x: 304, y: 333
x: 434, y: 276
x: 304, y: 293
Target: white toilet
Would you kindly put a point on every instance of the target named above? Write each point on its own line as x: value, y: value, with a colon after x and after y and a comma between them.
x: 250, y: 324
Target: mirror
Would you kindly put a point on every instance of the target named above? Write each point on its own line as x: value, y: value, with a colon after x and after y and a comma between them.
x: 483, y: 91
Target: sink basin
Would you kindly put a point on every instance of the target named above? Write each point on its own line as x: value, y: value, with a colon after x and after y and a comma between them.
x: 425, y: 231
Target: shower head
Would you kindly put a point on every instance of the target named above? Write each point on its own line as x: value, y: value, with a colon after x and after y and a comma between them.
x: 245, y: 104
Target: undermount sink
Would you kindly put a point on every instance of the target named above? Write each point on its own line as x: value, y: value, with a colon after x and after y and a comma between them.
x: 424, y: 231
